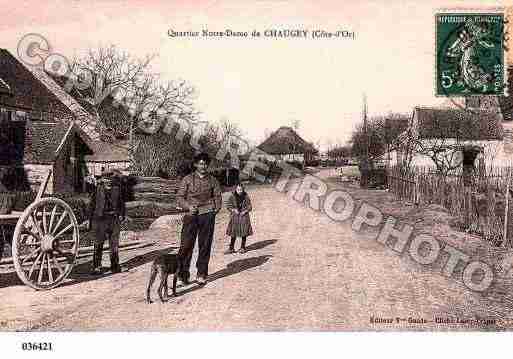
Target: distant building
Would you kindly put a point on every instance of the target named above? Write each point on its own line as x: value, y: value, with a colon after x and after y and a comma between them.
x: 286, y: 145
x: 108, y: 156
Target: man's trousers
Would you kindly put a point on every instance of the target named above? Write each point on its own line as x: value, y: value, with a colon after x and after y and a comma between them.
x: 106, y: 228
x: 202, y: 227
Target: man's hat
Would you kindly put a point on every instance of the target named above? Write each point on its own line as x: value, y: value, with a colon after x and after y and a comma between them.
x: 112, y: 172
x: 108, y: 173
x: 111, y: 175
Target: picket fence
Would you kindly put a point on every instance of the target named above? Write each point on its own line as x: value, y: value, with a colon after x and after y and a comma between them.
x: 479, y: 200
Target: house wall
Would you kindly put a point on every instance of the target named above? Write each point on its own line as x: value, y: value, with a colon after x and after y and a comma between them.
x: 493, y: 155
x: 95, y: 168
x: 65, y: 167
x: 291, y: 157
x: 36, y: 174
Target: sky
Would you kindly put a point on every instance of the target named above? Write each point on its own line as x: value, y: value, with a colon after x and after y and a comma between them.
x: 261, y: 83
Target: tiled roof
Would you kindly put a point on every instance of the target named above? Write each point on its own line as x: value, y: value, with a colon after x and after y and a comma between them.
x: 112, y: 117
x: 109, y: 152
x: 285, y: 141
x: 32, y: 89
x: 42, y: 141
x: 458, y: 123
x: 82, y: 118
x: 27, y: 92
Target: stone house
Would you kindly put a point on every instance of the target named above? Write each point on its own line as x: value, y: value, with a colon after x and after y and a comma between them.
x: 40, y: 146
x: 111, y: 127
x: 458, y: 135
x: 39, y: 130
x: 31, y: 94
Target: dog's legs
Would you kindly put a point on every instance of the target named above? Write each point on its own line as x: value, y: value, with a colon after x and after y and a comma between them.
x: 153, y: 274
x: 175, y: 279
x: 165, y: 289
x: 161, y: 286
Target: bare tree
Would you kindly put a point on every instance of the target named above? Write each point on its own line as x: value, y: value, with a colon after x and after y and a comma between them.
x: 117, y: 79
x: 340, y: 151
x: 228, y: 130
x: 444, y: 143
x: 152, y: 103
x: 107, y: 72
x: 382, y: 135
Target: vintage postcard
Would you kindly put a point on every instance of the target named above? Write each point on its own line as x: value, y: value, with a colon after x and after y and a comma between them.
x: 254, y: 166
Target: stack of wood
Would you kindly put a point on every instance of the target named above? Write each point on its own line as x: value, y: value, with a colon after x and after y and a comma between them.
x: 156, y: 189
x: 152, y: 197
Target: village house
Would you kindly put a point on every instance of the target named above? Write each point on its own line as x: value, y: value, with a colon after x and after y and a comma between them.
x: 286, y: 145
x: 37, y: 133
x: 481, y: 126
x: 458, y: 134
x: 32, y: 96
x: 23, y: 96
x: 38, y: 147
x: 111, y: 147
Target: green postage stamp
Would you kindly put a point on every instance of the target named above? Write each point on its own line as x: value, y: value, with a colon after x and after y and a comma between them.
x: 469, y: 54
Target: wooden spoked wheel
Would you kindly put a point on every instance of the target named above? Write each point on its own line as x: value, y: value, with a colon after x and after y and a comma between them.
x: 45, y: 243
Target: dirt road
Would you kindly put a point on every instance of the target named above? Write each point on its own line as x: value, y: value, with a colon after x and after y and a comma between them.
x: 302, y: 272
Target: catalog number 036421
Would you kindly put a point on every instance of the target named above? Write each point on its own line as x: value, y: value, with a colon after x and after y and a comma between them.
x: 29, y: 346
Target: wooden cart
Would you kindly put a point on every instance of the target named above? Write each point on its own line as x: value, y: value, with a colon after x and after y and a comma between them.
x: 45, y: 240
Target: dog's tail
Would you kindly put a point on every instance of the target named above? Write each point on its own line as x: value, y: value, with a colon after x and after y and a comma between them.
x: 153, y: 275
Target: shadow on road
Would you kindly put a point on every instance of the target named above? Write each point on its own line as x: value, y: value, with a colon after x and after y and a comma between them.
x: 146, y: 257
x: 81, y: 272
x: 9, y: 279
x: 259, y: 245
x: 234, y: 267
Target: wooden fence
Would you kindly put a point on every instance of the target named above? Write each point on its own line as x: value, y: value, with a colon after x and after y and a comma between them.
x: 479, y: 199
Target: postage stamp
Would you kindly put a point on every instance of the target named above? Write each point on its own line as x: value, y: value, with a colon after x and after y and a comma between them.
x: 470, y: 54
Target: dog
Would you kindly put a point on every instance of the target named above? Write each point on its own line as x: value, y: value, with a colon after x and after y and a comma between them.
x: 164, y: 264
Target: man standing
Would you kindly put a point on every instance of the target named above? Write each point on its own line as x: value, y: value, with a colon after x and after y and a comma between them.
x: 200, y: 194
x: 107, y: 211
x: 90, y: 183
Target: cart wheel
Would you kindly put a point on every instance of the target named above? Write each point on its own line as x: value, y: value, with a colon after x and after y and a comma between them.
x: 45, y: 243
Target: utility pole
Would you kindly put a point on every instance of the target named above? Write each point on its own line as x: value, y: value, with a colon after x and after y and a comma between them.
x: 364, y: 167
x: 388, y: 139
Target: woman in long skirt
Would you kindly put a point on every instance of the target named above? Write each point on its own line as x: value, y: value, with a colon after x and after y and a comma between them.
x: 239, y: 205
